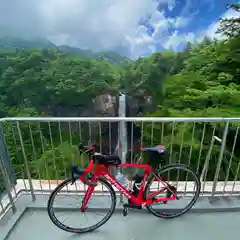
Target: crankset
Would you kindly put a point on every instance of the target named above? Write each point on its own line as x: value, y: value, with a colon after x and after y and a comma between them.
x: 127, y: 206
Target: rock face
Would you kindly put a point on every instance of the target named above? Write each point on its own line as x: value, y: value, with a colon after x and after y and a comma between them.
x: 106, y: 105
x: 105, y: 134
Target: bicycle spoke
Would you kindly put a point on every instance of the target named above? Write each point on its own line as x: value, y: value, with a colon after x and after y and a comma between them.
x: 90, y: 221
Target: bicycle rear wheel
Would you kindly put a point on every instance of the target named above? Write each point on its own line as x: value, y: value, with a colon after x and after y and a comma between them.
x: 66, y: 190
x: 187, y: 183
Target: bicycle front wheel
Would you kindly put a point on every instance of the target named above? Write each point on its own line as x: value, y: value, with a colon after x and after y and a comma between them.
x: 182, y: 181
x: 66, y: 200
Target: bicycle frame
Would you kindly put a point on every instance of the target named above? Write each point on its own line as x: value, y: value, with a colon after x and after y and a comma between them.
x: 102, y: 170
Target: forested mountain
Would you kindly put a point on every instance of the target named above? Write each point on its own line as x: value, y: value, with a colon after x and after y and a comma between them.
x: 18, y: 44
x: 202, y: 80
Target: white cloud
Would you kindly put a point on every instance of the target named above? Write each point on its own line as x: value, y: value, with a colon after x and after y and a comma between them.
x: 103, y: 24
x: 94, y: 24
x: 97, y: 25
x: 161, y: 34
x: 176, y: 39
x: 179, y: 22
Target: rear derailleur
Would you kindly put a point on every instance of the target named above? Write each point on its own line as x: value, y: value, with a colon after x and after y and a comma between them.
x: 172, y: 190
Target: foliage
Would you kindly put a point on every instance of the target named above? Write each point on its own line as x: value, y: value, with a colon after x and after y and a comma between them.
x: 230, y: 27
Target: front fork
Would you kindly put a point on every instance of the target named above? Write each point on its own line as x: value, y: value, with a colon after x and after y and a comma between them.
x: 91, y: 185
x: 86, y: 198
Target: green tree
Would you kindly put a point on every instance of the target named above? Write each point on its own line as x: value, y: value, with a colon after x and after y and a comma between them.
x: 230, y: 27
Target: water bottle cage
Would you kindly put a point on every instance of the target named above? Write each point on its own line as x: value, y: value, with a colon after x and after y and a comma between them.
x: 137, y: 184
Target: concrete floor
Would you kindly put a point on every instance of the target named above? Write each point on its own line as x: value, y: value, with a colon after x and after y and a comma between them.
x: 35, y: 224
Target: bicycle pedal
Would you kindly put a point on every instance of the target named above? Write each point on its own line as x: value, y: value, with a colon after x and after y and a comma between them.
x: 125, y: 212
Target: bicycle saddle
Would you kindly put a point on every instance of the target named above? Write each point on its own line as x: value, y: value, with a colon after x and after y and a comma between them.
x: 99, y: 157
x: 159, y: 149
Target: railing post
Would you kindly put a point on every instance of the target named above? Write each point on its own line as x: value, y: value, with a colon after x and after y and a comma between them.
x: 26, y: 163
x: 7, y: 183
x: 6, y: 157
x: 206, y: 164
x: 220, y: 159
x: 6, y: 169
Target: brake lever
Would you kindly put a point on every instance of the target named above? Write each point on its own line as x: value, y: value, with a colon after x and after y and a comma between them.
x: 77, y: 173
x: 87, y: 182
x: 84, y: 179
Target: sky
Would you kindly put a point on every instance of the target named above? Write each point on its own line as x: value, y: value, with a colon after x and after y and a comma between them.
x: 131, y: 27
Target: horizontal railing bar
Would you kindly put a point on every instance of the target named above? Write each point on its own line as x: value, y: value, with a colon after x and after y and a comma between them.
x: 118, y: 119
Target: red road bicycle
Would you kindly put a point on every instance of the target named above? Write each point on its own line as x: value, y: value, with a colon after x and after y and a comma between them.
x: 97, y: 173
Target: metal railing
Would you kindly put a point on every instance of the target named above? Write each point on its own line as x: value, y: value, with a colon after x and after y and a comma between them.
x: 42, y: 150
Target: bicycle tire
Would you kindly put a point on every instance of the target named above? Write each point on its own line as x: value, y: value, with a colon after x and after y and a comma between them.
x: 189, y: 206
x: 86, y: 229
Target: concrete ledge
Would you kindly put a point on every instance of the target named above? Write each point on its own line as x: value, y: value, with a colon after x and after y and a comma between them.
x: 222, y: 188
